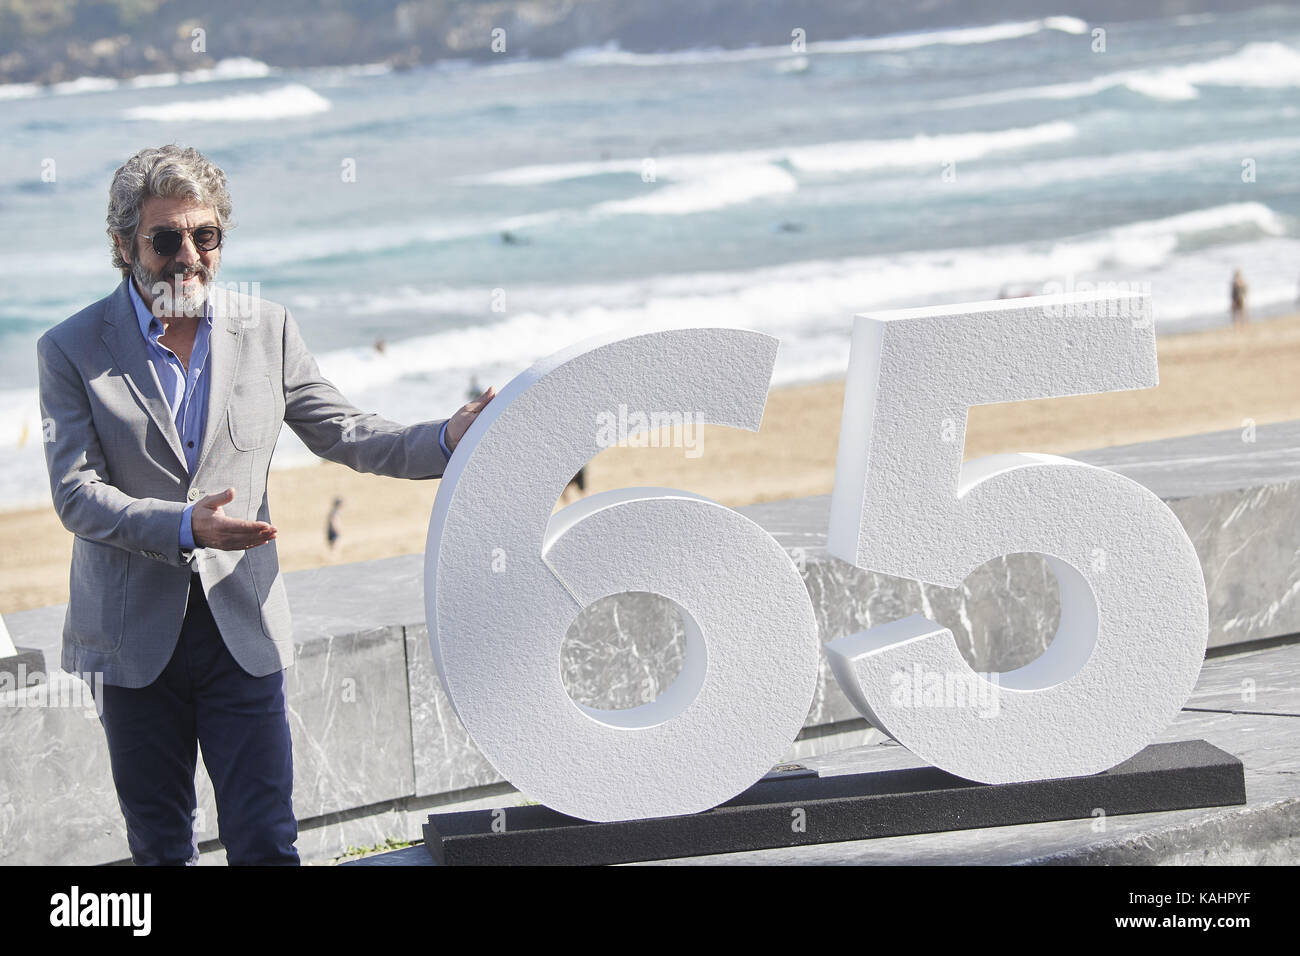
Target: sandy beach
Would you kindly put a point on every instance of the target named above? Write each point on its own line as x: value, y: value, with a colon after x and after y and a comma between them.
x: 1211, y: 380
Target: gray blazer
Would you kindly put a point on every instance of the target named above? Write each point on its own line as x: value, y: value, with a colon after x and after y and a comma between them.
x: 119, y: 480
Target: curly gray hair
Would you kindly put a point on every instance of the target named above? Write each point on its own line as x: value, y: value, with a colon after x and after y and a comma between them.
x: 169, y: 172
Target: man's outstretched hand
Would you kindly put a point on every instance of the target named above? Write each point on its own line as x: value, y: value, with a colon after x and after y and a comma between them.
x: 213, y: 528
x: 461, y: 421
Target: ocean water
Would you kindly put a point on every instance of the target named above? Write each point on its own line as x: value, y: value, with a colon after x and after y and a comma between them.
x: 500, y: 212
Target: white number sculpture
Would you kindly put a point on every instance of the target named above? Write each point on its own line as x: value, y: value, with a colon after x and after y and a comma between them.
x: 7, y: 648
x: 1134, y: 615
x: 504, y: 580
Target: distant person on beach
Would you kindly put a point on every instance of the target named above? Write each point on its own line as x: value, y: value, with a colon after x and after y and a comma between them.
x: 1238, y: 291
x: 577, y: 484
x: 177, y: 603
x: 1015, y: 292
x: 474, y: 390
x: 380, y: 346
x: 333, y: 528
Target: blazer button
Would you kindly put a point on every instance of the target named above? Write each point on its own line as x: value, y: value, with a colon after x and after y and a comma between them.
x: 194, y: 494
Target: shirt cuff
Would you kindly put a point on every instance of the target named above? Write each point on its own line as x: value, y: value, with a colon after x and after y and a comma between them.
x: 187, y: 533
x: 442, y: 439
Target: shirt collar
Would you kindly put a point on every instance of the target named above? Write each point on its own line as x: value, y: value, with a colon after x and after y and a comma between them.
x: 147, y: 319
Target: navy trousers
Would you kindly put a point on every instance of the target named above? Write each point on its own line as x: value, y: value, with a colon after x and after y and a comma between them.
x: 203, y: 698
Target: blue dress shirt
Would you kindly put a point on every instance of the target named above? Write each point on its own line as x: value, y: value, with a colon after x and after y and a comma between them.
x: 186, y: 390
x: 442, y: 439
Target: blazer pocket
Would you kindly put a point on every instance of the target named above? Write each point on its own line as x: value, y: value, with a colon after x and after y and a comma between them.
x: 97, y: 599
x: 253, y: 413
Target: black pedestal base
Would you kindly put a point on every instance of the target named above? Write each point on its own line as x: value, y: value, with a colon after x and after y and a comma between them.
x: 799, y: 809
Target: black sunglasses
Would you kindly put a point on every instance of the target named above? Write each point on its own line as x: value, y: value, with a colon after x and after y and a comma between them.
x: 167, y: 242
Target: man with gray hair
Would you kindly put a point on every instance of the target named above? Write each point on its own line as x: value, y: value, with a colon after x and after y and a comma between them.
x: 165, y: 400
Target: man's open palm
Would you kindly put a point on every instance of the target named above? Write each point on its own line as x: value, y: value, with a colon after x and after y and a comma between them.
x: 213, y: 528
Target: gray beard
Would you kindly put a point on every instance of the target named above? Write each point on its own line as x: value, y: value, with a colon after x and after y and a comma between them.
x: 189, y: 302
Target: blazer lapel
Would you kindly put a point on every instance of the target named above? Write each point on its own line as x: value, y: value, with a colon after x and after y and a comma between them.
x: 224, y: 346
x: 131, y: 356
